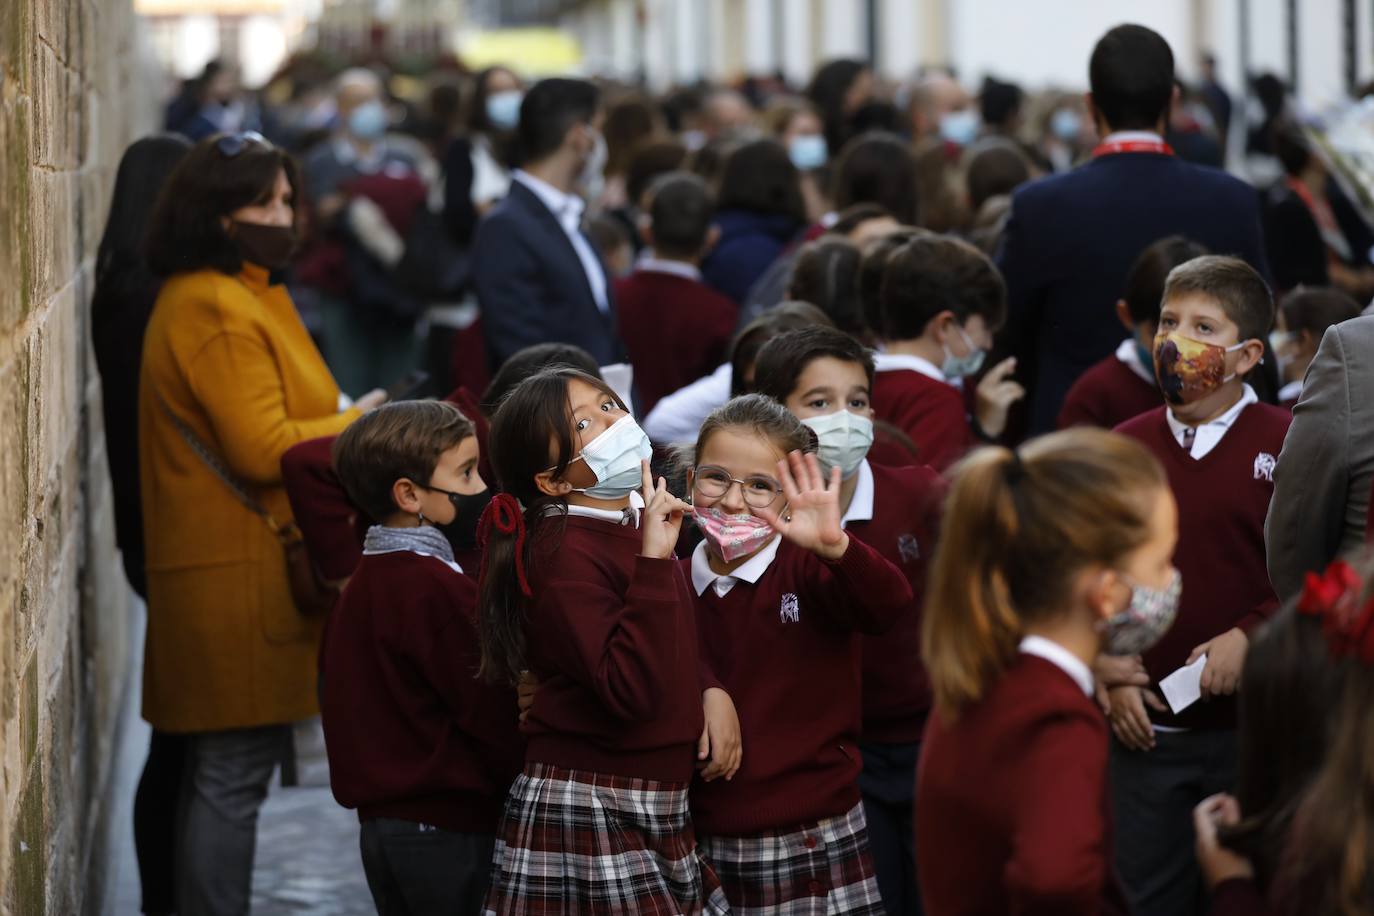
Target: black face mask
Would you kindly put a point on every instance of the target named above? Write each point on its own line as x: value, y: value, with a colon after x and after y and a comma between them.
x: 462, y: 531
x: 267, y: 246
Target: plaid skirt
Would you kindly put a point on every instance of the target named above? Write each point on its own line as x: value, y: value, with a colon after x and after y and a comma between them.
x: 578, y: 842
x: 822, y: 869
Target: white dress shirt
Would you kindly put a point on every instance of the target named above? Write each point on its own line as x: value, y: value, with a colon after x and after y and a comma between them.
x: 1208, y: 435
x: 664, y: 266
x: 1061, y: 658
x: 628, y: 516
x: 677, y: 418
x: 890, y: 362
x: 750, y: 571
x: 567, y: 209
x: 1129, y: 355
x: 861, y: 506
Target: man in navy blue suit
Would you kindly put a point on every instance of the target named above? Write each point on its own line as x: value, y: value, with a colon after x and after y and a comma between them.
x: 538, y: 277
x: 1071, y: 238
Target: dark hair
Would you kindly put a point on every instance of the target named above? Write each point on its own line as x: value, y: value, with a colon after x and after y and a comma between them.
x: 533, y: 416
x: 828, y: 88
x: 1132, y: 77
x: 1291, y: 146
x: 680, y: 214
x: 1236, y: 286
x: 396, y: 441
x: 783, y: 359
x: 650, y: 160
x: 549, y: 110
x: 760, y: 177
x: 996, y: 166
x: 185, y: 233
x: 877, y: 168
x: 937, y: 273
x: 1145, y: 283
x: 710, y: 160
x: 630, y: 122
x: 478, y: 122
x: 854, y: 216
x: 530, y: 360
x: 871, y: 270
x: 759, y: 414
x: 826, y: 274
x: 999, y: 102
x: 607, y: 234
x: 1314, y: 309
x: 788, y: 316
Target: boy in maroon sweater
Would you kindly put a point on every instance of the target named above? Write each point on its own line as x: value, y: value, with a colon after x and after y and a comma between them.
x: 422, y: 749
x: 940, y: 302
x: 676, y: 328
x: 1218, y: 446
x: 1123, y: 386
x: 824, y: 376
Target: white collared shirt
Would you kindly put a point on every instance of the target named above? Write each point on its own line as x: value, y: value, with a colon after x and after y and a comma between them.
x: 1290, y: 392
x: 1133, y: 136
x: 664, y: 266
x: 861, y: 506
x: 567, y: 209
x: 1061, y: 658
x: 750, y: 571
x: 1129, y: 355
x: 678, y: 417
x: 890, y: 362
x: 614, y: 516
x: 1209, y: 434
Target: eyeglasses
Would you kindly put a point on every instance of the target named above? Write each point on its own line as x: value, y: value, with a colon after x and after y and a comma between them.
x: 759, y: 492
x: 230, y: 145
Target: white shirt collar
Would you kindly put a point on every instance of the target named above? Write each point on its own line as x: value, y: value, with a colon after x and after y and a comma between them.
x: 663, y: 266
x: 567, y: 208
x: 1129, y: 355
x: 888, y: 362
x: 614, y: 516
x: 1209, y: 434
x: 1133, y: 136
x: 1291, y: 392
x: 751, y: 571
x: 861, y: 506
x: 1061, y: 658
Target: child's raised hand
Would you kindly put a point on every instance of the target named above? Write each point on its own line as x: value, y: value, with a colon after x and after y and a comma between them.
x: 995, y: 395
x: 661, y: 519
x: 811, y: 519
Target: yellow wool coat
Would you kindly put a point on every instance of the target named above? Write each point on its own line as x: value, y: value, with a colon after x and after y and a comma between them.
x: 229, y: 356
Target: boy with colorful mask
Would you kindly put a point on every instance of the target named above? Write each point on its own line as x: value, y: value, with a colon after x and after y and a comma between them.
x: 1219, y: 446
x: 824, y: 376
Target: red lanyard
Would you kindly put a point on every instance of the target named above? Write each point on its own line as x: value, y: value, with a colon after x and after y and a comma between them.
x: 1133, y: 146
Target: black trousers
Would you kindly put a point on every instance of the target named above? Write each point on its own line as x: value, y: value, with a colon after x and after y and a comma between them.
x: 888, y: 786
x: 419, y: 870
x: 155, y: 820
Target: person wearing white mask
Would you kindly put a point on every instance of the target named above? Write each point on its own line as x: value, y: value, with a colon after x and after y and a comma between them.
x: 939, y: 107
x: 824, y: 377
x: 477, y: 165
x: 797, y: 126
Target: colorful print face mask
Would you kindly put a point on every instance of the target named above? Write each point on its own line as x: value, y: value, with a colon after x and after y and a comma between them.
x: 732, y: 536
x: 1145, y: 620
x: 1189, y: 370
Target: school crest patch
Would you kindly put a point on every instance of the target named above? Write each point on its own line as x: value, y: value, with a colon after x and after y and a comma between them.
x: 790, y: 610
x: 1264, y: 466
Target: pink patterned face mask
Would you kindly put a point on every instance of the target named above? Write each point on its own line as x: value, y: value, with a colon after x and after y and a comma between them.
x: 732, y: 536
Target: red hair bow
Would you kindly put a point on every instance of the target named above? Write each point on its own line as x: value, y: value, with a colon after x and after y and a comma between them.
x: 505, y: 515
x: 1333, y: 597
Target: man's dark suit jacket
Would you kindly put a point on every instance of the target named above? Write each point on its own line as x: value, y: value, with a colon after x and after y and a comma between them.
x: 531, y: 286
x: 1070, y: 242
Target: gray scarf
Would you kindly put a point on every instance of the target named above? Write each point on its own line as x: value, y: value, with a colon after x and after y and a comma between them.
x: 425, y: 539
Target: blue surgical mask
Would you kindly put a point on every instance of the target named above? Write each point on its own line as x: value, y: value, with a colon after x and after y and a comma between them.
x: 503, y: 108
x: 966, y: 365
x: 614, y: 457
x: 959, y: 127
x: 368, y: 121
x: 807, y: 151
x: 1066, y: 124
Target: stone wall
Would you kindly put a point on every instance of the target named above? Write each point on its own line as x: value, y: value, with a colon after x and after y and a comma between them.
x: 73, y: 93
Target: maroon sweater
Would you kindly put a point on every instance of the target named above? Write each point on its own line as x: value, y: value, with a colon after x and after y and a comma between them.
x: 1012, y: 808
x: 675, y: 329
x: 611, y: 635
x: 1222, y: 501
x: 786, y: 649
x: 929, y: 411
x: 1106, y: 396
x: 410, y: 731
x: 896, y: 692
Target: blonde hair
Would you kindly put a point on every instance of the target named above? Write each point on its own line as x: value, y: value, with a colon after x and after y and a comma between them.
x: 1017, y: 527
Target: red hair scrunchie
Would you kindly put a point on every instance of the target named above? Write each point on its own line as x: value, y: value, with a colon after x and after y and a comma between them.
x: 505, y: 515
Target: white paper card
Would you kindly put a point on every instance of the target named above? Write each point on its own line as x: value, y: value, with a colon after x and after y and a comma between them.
x: 621, y: 378
x: 1183, y: 688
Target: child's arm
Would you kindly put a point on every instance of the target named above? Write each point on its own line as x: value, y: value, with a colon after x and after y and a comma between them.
x: 719, y: 750
x: 1226, y: 652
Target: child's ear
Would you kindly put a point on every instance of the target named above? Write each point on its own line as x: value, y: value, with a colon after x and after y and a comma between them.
x: 550, y: 486
x: 646, y: 232
x: 712, y: 238
x: 937, y: 324
x: 1103, y: 592
x: 1123, y: 315
x: 1251, y: 352
x: 406, y: 496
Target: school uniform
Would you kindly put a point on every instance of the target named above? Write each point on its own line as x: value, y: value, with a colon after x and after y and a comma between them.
x: 1289, y: 394
x: 781, y: 634
x: 1112, y: 391
x: 1011, y: 797
x: 912, y: 394
x: 896, y: 512
x: 417, y: 744
x: 1221, y: 474
x: 598, y: 821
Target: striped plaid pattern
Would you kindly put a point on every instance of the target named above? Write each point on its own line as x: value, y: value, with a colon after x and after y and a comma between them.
x: 579, y: 842
x: 824, y: 869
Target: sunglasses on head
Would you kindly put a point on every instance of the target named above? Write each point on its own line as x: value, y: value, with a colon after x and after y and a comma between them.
x: 230, y: 145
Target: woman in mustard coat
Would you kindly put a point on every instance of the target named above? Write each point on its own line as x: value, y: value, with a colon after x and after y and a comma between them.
x: 227, y: 364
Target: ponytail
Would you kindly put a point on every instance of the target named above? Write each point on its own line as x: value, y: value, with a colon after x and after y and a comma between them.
x: 1017, y: 527
x: 501, y: 534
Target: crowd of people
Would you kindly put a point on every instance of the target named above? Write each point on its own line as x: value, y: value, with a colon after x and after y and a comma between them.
x: 854, y: 500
